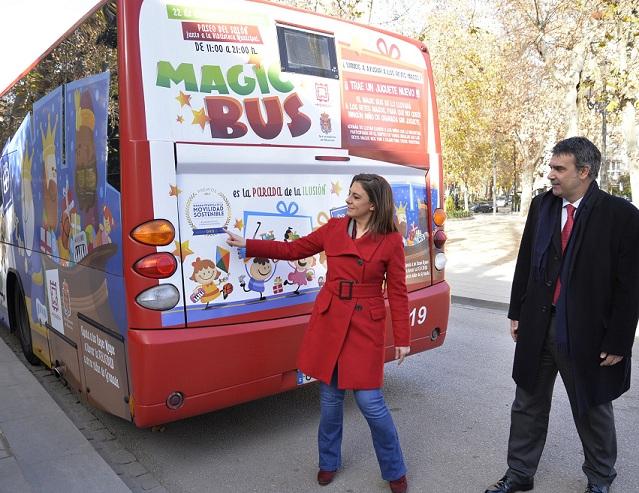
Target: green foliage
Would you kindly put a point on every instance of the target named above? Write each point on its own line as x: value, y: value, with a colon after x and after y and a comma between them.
x: 344, y: 9
x: 458, y: 214
x: 614, y: 80
x: 622, y: 187
x: 449, y: 205
x: 467, y: 68
x: 91, y: 49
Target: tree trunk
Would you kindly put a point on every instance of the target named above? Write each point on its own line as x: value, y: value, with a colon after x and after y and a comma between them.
x: 629, y: 130
x: 465, y: 191
x: 527, y: 172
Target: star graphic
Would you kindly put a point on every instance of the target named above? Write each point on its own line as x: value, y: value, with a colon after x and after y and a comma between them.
x: 180, y: 119
x: 255, y: 60
x: 336, y: 188
x: 174, y: 191
x: 239, y: 224
x: 200, y: 118
x: 182, y: 250
x: 183, y: 99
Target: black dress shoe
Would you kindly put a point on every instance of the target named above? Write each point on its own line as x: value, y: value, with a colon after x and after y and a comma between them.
x: 510, y: 485
x: 593, y: 488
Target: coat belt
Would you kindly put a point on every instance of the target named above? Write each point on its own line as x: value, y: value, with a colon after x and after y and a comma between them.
x: 346, y: 290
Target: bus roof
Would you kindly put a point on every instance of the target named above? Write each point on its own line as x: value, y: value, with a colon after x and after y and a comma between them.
x: 32, y: 27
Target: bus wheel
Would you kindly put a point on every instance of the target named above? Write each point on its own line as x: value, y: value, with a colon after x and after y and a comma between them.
x: 24, y: 329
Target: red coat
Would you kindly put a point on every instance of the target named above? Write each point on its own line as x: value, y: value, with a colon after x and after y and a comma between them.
x: 349, y: 332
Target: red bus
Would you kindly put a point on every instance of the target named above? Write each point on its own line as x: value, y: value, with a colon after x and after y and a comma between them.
x: 147, y: 129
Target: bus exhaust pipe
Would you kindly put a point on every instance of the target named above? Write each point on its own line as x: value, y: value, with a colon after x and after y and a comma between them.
x: 58, y: 371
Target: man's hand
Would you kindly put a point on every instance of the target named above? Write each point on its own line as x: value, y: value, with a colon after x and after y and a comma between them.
x: 514, y: 325
x: 400, y: 353
x: 609, y: 359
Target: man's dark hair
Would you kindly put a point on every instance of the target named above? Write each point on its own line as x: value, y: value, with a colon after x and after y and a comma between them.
x: 584, y: 152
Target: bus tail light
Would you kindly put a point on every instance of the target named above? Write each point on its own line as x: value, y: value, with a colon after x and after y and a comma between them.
x: 439, y: 238
x: 440, y: 261
x: 162, y: 297
x: 439, y: 217
x: 157, y: 265
x: 158, y: 232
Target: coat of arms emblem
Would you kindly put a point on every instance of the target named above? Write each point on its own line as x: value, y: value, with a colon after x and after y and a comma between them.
x: 325, y: 123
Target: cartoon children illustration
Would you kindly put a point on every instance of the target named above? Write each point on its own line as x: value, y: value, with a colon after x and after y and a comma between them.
x: 260, y: 271
x: 102, y: 236
x: 206, y: 274
x: 302, y: 273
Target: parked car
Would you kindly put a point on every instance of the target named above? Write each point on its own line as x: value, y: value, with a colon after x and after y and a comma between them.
x: 481, y: 207
x: 502, y: 201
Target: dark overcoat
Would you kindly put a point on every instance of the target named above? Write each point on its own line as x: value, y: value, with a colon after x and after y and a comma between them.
x: 602, y: 298
x: 349, y: 333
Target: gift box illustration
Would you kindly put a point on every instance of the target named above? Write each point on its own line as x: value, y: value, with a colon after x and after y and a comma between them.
x: 278, y: 285
x: 285, y: 222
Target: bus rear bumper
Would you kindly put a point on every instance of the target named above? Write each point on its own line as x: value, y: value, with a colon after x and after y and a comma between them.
x: 218, y: 367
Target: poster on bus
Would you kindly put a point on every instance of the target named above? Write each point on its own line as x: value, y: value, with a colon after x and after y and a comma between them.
x: 215, y: 76
x: 90, y: 215
x: 220, y: 281
x: 384, y: 105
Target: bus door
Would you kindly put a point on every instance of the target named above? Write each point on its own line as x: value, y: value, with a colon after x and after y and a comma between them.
x: 279, y: 194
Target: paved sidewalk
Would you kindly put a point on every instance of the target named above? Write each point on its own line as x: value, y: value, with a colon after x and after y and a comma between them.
x: 40, y: 448
x: 482, y: 252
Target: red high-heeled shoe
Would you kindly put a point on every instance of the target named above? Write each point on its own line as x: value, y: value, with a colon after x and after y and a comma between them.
x: 325, y: 477
x: 399, y: 485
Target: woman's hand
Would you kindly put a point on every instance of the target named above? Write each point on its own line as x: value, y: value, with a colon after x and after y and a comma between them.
x: 400, y: 353
x: 235, y: 240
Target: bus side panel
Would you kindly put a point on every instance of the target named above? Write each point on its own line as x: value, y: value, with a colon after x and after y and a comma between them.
x: 68, y: 255
x: 90, y: 271
x: 22, y: 234
x: 135, y: 151
x: 7, y: 226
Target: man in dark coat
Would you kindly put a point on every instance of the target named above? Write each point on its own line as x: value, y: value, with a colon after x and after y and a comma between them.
x: 574, y: 307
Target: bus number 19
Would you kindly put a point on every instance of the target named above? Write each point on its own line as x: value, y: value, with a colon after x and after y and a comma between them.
x: 418, y: 315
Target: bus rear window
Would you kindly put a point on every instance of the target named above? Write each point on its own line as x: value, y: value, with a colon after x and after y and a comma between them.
x: 309, y: 53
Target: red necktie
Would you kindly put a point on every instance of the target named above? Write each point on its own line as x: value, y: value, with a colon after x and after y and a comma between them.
x: 565, y: 236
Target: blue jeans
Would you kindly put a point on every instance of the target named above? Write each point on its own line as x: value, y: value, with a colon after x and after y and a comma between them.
x: 371, y: 404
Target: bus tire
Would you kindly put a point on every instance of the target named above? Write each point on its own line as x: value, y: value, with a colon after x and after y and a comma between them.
x: 23, y: 327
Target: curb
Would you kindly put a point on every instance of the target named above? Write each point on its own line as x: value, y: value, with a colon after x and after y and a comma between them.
x: 491, y: 305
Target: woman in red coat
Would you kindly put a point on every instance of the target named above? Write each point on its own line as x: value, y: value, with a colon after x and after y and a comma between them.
x: 344, y: 345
